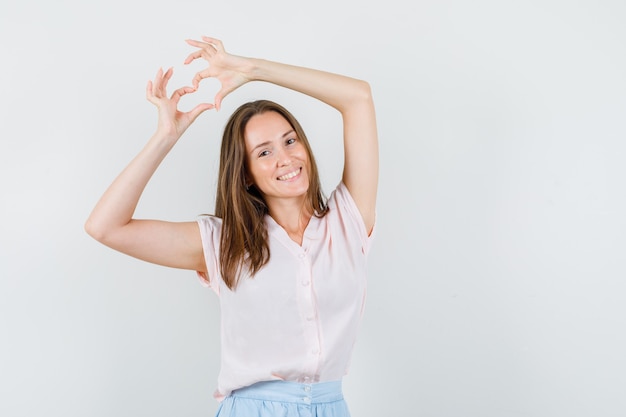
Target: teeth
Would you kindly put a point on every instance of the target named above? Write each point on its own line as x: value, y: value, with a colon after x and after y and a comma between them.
x: 288, y: 176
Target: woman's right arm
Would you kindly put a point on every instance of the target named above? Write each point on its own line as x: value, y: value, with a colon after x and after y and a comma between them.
x: 111, y: 222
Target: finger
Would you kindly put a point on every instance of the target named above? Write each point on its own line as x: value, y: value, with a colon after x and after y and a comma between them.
x: 202, y: 53
x: 157, y: 76
x: 220, y: 95
x: 156, y: 85
x: 199, y: 109
x: 162, y: 82
x: 216, y: 43
x: 218, y: 100
x: 192, y: 56
x: 149, y: 94
x: 176, y: 95
x: 204, y: 46
x: 196, y: 43
x: 167, y: 76
x: 200, y: 76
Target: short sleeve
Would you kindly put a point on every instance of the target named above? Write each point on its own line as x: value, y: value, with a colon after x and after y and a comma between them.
x: 210, y: 230
x: 350, y: 212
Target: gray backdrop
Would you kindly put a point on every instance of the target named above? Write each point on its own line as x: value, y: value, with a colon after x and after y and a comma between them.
x: 497, y: 278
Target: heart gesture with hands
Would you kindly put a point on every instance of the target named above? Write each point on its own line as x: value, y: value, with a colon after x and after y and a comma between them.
x: 230, y: 70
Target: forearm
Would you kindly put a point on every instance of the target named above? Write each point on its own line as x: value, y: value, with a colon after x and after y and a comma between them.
x: 117, y: 205
x: 338, y: 91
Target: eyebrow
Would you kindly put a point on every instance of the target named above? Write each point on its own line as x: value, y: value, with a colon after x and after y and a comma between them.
x: 267, y: 142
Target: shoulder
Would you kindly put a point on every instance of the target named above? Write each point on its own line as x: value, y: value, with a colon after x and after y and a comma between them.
x: 341, y: 200
x: 210, y: 233
x: 343, y: 214
x: 209, y: 222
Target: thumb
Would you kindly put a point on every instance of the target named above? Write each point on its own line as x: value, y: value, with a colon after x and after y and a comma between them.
x: 218, y: 101
x: 199, y: 109
x: 220, y: 96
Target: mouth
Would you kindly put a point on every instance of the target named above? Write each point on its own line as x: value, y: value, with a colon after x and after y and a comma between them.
x: 289, y: 175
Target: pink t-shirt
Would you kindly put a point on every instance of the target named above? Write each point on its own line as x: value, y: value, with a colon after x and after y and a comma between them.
x: 297, y: 319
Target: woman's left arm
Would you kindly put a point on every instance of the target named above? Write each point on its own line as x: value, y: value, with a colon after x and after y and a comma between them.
x: 351, y: 97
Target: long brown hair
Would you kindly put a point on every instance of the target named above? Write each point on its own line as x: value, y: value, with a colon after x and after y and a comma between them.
x: 244, y: 240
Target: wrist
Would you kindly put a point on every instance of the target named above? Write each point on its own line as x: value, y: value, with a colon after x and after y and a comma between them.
x: 164, y: 139
x: 254, y: 69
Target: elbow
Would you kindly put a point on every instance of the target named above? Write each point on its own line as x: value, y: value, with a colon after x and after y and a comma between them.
x: 92, y: 229
x: 103, y: 231
x: 361, y: 97
x: 358, y: 100
x: 364, y: 92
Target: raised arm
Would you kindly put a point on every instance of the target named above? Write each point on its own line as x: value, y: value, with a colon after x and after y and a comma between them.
x: 351, y: 97
x: 111, y: 222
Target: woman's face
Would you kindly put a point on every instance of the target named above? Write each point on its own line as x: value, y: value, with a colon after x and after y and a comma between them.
x: 278, y: 162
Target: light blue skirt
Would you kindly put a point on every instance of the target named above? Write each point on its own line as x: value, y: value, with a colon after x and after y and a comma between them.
x: 285, y: 399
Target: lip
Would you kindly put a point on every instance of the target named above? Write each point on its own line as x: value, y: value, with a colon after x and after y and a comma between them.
x: 295, y: 174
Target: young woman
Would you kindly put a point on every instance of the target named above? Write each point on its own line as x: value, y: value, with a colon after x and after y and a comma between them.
x: 289, y: 266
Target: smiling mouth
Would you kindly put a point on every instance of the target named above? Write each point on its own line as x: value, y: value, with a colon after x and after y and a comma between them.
x: 290, y: 175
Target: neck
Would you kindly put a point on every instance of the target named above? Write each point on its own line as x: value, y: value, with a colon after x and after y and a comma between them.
x: 292, y: 215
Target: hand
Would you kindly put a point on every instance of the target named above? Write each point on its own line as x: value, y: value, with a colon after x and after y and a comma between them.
x: 230, y: 70
x: 172, y: 122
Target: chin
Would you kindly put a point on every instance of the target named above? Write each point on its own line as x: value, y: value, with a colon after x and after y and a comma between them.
x: 293, y: 193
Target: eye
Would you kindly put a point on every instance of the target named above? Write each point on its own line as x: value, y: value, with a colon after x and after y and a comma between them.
x: 264, y: 153
x: 290, y: 141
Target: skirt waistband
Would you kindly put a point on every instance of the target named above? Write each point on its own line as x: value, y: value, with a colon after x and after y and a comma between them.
x: 294, y: 392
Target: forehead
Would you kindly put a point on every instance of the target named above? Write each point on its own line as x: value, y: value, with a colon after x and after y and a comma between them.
x: 265, y: 127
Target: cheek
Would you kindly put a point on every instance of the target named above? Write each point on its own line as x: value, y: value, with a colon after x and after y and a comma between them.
x: 251, y: 171
x: 258, y: 170
x: 302, y: 154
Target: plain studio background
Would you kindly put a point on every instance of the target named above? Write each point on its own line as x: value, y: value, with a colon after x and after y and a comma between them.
x: 497, y: 278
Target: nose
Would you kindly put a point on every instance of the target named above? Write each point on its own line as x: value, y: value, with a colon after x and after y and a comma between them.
x: 283, y: 158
